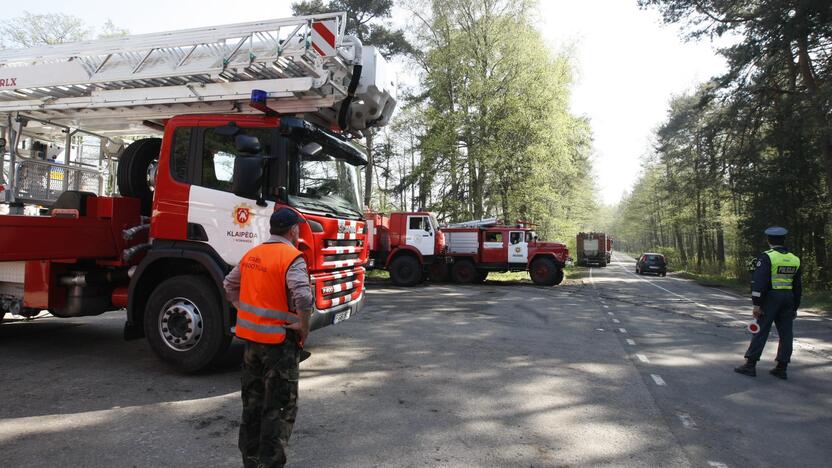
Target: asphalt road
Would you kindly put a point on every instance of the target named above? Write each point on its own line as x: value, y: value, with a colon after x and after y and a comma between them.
x: 618, y: 370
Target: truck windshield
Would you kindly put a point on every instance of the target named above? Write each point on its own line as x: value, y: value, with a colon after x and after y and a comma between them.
x: 326, y: 183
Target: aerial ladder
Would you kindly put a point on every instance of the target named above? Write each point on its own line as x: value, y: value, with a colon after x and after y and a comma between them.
x: 122, y: 86
x: 205, y: 132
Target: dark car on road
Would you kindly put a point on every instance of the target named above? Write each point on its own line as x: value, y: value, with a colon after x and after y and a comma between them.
x: 652, y: 263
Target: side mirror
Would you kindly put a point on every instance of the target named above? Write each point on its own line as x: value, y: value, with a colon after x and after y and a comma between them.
x: 247, y: 144
x: 247, y: 177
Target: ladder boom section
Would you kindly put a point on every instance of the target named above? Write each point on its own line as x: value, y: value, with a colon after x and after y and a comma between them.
x: 172, y: 71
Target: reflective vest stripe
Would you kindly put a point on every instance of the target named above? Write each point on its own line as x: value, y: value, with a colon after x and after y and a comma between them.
x: 269, y: 313
x: 260, y: 327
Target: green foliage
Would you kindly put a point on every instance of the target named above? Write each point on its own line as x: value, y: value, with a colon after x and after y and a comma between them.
x: 751, y: 149
x: 498, y: 138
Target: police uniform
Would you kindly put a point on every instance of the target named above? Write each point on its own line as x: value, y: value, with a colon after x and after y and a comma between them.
x: 776, y: 289
x: 269, y: 287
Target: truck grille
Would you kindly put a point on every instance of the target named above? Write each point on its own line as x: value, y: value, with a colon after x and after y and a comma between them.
x: 336, y: 288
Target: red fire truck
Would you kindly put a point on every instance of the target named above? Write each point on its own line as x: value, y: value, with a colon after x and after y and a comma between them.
x: 594, y: 248
x: 234, y: 122
x: 407, y: 244
x: 479, y: 247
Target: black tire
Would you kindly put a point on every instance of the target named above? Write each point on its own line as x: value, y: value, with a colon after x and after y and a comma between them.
x: 439, y: 272
x: 133, y: 166
x: 464, y: 272
x: 481, y: 276
x: 603, y: 264
x: 180, y: 296
x: 544, y: 271
x: 406, y: 270
x: 664, y: 273
x: 559, y: 277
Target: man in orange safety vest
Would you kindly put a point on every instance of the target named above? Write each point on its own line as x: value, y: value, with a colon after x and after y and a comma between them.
x: 270, y: 289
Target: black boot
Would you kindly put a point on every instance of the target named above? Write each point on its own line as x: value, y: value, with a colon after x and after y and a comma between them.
x: 749, y: 368
x: 779, y: 371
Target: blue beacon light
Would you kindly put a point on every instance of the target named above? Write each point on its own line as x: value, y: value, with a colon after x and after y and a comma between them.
x: 258, y: 96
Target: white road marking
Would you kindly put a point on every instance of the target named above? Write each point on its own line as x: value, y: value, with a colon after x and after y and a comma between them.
x: 616, y: 321
x: 622, y: 330
x: 686, y: 420
x: 659, y: 381
x: 610, y: 313
x: 643, y: 358
x: 631, y: 342
x: 717, y: 464
x: 606, y: 306
x: 675, y: 294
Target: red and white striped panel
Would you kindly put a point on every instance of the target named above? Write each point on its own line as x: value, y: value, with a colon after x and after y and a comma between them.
x: 338, y: 250
x: 342, y: 263
x: 323, y: 37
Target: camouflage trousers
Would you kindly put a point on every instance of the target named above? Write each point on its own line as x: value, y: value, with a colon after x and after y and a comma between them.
x: 270, y: 395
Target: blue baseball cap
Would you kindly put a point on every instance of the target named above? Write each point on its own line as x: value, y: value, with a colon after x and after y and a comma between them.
x: 284, y: 218
x: 776, y: 231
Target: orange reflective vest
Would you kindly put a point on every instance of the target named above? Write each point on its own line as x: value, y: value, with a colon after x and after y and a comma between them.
x: 264, y: 306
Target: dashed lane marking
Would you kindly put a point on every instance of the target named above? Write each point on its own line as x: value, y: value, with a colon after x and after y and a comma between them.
x: 643, y: 358
x: 622, y: 330
x: 631, y: 342
x: 686, y: 420
x: 610, y: 313
x: 659, y: 381
x: 616, y: 321
x: 606, y: 306
x: 717, y: 464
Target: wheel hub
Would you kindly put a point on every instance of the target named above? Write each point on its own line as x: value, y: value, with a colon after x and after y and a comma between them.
x: 180, y: 324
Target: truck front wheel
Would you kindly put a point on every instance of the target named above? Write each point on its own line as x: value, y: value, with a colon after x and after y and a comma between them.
x: 544, y: 272
x: 183, y: 323
x: 405, y: 271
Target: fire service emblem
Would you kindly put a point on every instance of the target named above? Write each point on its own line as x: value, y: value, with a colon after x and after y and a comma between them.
x: 242, y: 215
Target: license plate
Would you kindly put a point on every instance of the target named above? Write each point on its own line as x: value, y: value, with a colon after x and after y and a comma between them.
x: 654, y: 267
x: 341, y: 316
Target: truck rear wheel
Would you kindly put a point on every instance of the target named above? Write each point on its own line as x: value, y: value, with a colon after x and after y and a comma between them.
x: 136, y: 175
x: 183, y: 323
x: 405, y: 271
x: 464, y: 272
x: 544, y: 272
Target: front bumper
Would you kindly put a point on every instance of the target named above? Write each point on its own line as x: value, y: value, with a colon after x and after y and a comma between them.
x: 323, y: 318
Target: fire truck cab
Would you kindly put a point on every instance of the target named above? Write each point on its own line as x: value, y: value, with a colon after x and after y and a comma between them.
x: 407, y: 244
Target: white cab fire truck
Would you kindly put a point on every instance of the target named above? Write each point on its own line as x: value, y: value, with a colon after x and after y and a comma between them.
x: 409, y: 245
x: 227, y: 123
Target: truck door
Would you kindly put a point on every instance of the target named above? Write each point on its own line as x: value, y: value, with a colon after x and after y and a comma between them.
x: 420, y: 234
x: 494, y: 247
x: 518, y: 248
x: 233, y: 224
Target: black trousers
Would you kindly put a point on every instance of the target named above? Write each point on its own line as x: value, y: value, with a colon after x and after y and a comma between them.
x: 270, y: 395
x: 778, y: 309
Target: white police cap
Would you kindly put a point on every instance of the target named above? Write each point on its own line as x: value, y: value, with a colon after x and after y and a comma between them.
x: 776, y: 231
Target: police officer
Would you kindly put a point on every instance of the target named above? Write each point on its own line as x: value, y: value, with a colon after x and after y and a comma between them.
x: 775, y: 292
x: 270, y: 289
